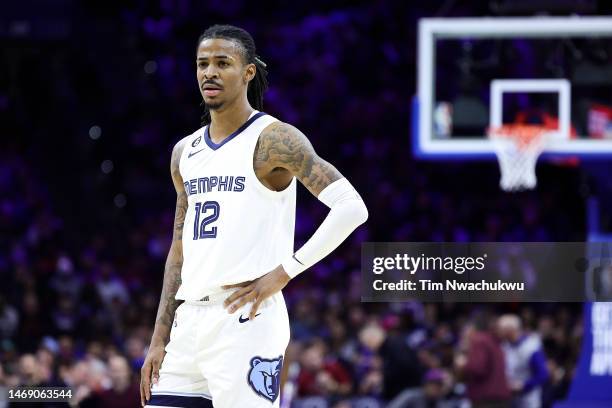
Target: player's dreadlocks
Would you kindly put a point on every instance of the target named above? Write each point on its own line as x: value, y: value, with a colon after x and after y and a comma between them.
x: 259, y: 84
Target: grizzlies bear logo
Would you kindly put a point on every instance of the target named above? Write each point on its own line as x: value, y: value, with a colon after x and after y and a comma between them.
x: 196, y: 141
x: 264, y: 377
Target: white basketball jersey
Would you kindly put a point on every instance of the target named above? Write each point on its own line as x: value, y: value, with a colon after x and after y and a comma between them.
x: 236, y: 229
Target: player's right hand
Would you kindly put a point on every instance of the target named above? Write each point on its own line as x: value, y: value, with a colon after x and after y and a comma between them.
x: 149, y: 373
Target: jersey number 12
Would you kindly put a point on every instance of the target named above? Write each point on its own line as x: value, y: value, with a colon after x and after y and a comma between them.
x: 200, y: 230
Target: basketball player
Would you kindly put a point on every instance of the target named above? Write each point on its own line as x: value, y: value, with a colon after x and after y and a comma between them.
x: 222, y: 326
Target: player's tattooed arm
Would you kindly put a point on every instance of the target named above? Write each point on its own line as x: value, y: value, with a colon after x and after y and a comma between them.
x: 174, y: 261
x: 283, y: 146
x: 149, y: 373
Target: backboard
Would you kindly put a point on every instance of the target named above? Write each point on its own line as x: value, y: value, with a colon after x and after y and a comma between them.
x: 477, y: 72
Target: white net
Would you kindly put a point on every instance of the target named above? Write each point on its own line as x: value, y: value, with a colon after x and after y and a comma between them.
x: 517, y: 148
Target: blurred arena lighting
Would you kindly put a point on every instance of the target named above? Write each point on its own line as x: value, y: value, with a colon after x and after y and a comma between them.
x: 29, y: 20
x: 150, y: 67
x: 95, y: 132
x: 19, y: 28
x: 120, y: 200
x: 107, y: 166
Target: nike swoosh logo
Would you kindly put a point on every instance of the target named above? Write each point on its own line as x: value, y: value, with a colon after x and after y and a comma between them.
x: 243, y: 320
x: 194, y: 153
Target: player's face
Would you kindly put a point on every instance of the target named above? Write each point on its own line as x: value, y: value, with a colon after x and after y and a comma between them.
x: 222, y: 74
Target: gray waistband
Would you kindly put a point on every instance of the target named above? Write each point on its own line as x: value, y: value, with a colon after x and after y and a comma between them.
x: 212, y: 299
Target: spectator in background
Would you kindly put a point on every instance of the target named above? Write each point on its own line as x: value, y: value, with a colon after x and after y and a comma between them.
x: 124, y: 391
x: 369, y: 363
x: 65, y: 281
x: 30, y: 374
x: 431, y: 395
x: 558, y: 385
x: 525, y: 362
x: 135, y: 349
x: 46, y: 366
x: 111, y: 289
x: 3, y: 388
x: 482, y: 365
x: 33, y: 323
x: 9, y: 319
x: 86, y: 378
x: 319, y: 377
x: 401, y: 366
x: 65, y: 317
x: 77, y: 378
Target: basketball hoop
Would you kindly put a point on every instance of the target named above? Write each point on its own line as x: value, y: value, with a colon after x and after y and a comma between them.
x: 517, y: 148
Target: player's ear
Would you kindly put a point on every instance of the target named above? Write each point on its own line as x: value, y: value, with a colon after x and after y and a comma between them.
x: 249, y: 73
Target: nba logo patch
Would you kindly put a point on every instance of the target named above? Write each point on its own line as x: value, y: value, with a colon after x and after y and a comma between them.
x: 196, y: 141
x: 264, y: 377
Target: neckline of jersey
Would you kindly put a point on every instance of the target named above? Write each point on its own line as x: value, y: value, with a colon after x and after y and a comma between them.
x: 241, y: 129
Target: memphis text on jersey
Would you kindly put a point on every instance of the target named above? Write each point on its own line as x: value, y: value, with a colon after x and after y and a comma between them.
x: 203, y: 185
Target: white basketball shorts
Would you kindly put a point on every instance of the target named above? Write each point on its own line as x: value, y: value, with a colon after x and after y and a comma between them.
x: 224, y: 360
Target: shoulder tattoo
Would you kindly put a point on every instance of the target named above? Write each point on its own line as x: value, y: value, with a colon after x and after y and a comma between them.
x: 284, y: 146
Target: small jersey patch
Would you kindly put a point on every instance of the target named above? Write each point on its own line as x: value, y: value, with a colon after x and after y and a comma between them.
x: 264, y: 377
x: 196, y: 141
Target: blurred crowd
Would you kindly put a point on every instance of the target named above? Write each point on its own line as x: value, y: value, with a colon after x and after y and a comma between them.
x: 88, y: 121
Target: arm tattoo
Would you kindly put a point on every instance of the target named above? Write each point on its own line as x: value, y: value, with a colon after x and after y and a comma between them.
x: 179, y: 216
x: 174, y: 262
x: 167, y: 303
x: 286, y: 147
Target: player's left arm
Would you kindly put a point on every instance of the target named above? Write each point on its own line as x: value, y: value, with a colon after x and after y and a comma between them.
x: 282, y: 146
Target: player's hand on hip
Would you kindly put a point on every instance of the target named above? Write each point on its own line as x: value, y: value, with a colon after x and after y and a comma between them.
x: 149, y: 373
x: 256, y: 291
